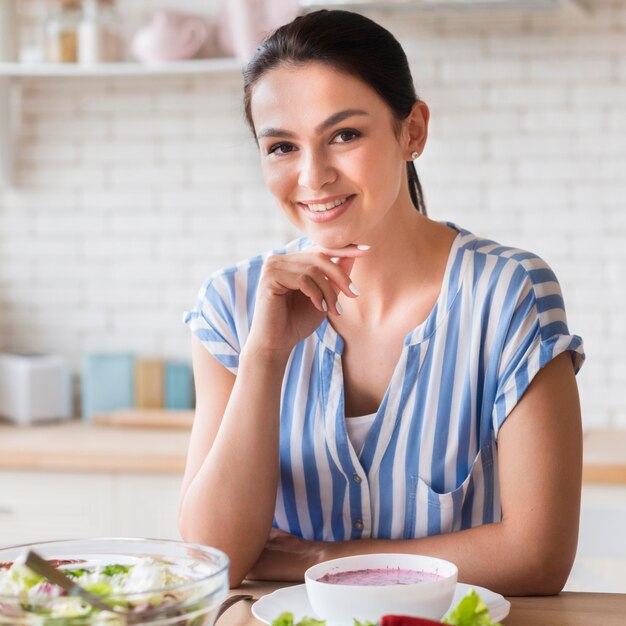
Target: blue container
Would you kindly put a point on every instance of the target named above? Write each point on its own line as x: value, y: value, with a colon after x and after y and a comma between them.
x: 178, y: 386
x: 107, y: 383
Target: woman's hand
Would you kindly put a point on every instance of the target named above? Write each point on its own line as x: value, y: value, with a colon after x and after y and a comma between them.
x: 286, y: 557
x: 295, y: 293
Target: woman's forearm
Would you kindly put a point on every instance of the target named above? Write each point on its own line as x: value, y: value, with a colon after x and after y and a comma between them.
x: 494, y: 556
x: 229, y: 504
x: 498, y: 556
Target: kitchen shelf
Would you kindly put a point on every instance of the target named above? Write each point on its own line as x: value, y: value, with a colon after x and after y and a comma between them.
x: 446, y: 5
x: 12, y: 73
x: 44, y: 70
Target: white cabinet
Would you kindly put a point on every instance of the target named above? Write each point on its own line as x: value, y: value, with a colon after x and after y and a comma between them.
x: 601, y: 559
x: 39, y: 506
x: 145, y: 505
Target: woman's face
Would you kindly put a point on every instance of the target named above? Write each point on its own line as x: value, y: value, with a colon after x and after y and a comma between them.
x: 330, y: 152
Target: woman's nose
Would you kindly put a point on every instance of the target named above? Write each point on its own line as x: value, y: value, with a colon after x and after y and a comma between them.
x: 315, y: 172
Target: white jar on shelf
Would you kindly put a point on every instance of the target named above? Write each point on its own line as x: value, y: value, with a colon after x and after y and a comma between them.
x: 99, y: 39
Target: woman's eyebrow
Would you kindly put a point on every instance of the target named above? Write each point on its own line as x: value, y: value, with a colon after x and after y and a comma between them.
x: 338, y: 117
x: 335, y: 118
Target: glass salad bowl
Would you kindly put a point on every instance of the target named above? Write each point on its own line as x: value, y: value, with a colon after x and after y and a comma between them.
x: 181, y: 584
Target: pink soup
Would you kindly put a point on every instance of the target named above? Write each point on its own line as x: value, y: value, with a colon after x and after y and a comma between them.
x: 386, y: 576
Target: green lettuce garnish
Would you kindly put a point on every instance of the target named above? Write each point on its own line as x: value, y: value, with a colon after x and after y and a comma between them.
x: 114, y: 568
x: 99, y: 588
x: 470, y: 611
x: 77, y: 572
x: 286, y: 619
x: 23, y: 575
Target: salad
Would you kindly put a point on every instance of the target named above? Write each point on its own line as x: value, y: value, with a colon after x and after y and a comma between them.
x: 470, y: 611
x: 147, y: 583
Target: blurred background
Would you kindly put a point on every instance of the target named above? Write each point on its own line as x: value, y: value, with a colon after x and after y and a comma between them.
x: 128, y: 176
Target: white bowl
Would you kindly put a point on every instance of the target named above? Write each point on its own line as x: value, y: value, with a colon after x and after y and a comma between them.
x: 342, y: 603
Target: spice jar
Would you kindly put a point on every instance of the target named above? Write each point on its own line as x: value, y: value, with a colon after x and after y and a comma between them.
x: 61, y: 31
x: 99, y: 38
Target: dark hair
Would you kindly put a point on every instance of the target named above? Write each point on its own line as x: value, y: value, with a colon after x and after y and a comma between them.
x: 349, y: 42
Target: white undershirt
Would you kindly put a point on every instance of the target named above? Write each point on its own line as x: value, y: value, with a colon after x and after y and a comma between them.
x: 357, y: 429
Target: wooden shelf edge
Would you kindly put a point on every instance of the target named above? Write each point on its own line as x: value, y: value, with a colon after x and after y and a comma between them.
x: 120, y: 464
x: 146, y: 418
x: 127, y: 68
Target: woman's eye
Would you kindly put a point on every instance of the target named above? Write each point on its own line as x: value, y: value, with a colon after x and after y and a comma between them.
x: 281, y: 148
x: 344, y: 136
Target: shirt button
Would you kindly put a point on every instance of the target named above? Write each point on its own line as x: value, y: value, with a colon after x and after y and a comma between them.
x: 356, y: 478
x: 358, y: 525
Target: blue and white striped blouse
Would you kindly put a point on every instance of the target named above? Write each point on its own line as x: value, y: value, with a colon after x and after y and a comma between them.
x: 429, y: 464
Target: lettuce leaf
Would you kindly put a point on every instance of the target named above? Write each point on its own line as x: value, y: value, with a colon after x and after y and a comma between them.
x: 286, y: 619
x: 470, y: 611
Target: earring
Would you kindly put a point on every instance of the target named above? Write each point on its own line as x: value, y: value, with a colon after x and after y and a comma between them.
x: 414, y: 155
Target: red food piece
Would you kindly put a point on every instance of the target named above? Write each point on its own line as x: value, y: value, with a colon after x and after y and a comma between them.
x: 407, y: 620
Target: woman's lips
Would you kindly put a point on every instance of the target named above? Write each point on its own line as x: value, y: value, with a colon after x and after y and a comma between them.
x: 327, y: 215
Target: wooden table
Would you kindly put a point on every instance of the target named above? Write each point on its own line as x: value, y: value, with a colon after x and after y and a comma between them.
x: 566, y: 609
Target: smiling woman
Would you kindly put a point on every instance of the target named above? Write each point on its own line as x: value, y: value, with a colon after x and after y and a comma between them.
x: 430, y: 410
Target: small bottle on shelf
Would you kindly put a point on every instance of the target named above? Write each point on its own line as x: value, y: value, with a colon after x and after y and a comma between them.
x: 61, y: 31
x: 99, y: 39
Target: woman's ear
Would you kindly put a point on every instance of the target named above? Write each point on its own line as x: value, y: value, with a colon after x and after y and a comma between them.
x: 417, y: 128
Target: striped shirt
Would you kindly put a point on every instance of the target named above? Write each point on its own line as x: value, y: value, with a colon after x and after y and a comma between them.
x: 429, y: 463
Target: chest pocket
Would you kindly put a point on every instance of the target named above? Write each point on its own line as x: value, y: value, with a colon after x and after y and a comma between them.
x: 470, y: 504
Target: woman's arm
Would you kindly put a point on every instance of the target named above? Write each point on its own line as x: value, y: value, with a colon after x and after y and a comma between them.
x: 229, y: 488
x: 228, y: 496
x: 531, y: 551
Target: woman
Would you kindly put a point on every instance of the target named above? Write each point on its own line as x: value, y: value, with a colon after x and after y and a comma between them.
x: 386, y: 383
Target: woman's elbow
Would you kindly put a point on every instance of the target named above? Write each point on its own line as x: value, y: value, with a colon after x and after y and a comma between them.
x: 546, y: 573
x: 555, y: 574
x: 190, y: 534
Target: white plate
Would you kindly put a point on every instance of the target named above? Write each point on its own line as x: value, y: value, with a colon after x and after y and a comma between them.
x: 295, y: 600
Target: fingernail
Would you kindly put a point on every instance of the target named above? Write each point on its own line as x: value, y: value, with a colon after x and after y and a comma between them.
x: 339, y: 308
x: 354, y: 289
x: 363, y: 246
x: 324, y: 305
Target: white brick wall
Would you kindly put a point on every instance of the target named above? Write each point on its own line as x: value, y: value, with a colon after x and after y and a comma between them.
x: 132, y: 190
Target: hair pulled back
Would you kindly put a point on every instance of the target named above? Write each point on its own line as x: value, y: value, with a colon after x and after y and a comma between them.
x: 348, y: 42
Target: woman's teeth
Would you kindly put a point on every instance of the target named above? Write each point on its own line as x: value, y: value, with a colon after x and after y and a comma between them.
x: 318, y: 208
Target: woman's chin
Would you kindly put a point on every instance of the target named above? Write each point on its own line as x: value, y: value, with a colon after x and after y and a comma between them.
x: 330, y: 243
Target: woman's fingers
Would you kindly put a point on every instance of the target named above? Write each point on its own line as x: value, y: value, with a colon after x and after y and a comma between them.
x: 346, y: 263
x: 312, y: 274
x: 317, y: 289
x: 285, y: 277
x: 345, y: 258
x: 315, y: 262
x: 320, y: 274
